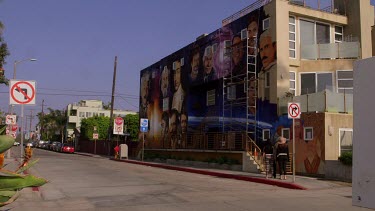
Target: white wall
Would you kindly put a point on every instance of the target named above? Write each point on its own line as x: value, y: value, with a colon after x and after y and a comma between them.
x: 363, y: 134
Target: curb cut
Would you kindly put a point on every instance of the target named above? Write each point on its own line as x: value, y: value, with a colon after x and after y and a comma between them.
x: 218, y: 174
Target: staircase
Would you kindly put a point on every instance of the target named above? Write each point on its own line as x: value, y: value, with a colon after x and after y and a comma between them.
x: 253, y: 159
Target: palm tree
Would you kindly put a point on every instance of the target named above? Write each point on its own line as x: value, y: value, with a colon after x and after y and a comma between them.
x: 54, y: 121
x: 3, y: 53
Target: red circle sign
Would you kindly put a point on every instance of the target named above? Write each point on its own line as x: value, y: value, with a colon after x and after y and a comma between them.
x: 14, y: 128
x: 294, y: 110
x: 119, y: 121
x: 17, y: 88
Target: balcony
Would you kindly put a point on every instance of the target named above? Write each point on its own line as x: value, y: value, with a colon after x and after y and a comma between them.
x: 326, y: 101
x: 329, y: 6
x: 73, y: 119
x: 343, y: 50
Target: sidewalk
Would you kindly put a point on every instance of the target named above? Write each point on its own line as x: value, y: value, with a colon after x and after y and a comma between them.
x: 301, y: 182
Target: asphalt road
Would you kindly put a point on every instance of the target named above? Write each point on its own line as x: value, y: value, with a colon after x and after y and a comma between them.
x: 78, y: 182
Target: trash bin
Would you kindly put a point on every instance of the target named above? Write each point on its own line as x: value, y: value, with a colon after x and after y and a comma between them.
x: 123, y: 151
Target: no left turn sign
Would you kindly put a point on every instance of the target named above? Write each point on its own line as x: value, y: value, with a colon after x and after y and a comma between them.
x: 22, y: 92
x: 294, y: 111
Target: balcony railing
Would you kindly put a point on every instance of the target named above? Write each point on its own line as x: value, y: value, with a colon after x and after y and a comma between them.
x: 326, y: 101
x: 343, y: 50
x: 330, y: 6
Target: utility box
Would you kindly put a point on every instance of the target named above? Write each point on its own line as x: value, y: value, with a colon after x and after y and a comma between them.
x: 363, y: 136
x: 123, y: 151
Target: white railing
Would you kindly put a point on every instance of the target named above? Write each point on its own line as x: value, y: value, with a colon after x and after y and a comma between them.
x: 326, y: 101
x: 344, y: 50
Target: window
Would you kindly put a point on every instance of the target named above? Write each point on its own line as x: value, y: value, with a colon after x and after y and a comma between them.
x: 292, y: 82
x: 81, y: 114
x: 174, y: 66
x: 346, y: 140
x: 339, y: 34
x: 165, y: 68
x: 308, y: 133
x: 243, y: 34
x: 344, y: 81
x: 231, y: 90
x: 227, y: 47
x: 182, y: 61
x: 88, y: 114
x: 285, y: 132
x: 315, y: 82
x: 101, y: 114
x: 266, y: 23
x: 292, y: 37
x: 266, y: 134
x: 314, y: 33
x: 211, y: 97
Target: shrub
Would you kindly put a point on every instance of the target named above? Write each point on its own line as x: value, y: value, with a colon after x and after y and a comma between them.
x: 346, y: 158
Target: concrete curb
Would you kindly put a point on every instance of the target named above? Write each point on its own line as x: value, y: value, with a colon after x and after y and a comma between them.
x: 219, y: 174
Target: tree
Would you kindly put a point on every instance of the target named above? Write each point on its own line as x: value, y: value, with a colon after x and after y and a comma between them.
x: 132, y: 125
x: 54, y: 121
x: 100, y: 122
x: 3, y: 54
x: 107, y: 106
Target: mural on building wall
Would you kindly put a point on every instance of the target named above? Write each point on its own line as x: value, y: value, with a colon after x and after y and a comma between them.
x: 182, y: 94
x: 310, y: 156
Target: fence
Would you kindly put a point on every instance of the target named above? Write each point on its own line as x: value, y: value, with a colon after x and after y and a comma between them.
x: 343, y: 50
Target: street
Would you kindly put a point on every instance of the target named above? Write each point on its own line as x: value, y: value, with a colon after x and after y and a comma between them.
x: 79, y: 182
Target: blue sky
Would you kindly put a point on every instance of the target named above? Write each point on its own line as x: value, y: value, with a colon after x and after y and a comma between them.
x: 75, y: 42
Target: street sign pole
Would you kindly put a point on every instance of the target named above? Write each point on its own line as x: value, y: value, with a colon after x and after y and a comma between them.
x: 294, y: 153
x: 143, y: 148
x: 22, y: 128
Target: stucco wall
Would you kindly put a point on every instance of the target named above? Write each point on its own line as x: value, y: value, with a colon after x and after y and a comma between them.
x: 333, y: 122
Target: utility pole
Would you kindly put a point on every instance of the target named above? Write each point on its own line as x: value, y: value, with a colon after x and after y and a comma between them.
x: 42, y: 120
x: 112, y: 103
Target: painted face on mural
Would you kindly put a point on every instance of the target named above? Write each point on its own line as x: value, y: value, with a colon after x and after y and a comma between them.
x: 207, y: 60
x: 177, y: 75
x: 173, y: 123
x: 252, y: 31
x: 183, y: 123
x: 164, y: 127
x: 237, y: 50
x: 164, y: 82
x: 194, y: 66
x: 267, y: 51
x: 144, y: 88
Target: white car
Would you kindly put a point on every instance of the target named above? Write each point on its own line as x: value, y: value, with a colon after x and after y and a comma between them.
x: 16, y: 143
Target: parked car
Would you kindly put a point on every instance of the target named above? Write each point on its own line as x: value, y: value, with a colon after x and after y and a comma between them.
x: 52, y: 145
x: 57, y: 147
x: 16, y: 143
x: 68, y: 148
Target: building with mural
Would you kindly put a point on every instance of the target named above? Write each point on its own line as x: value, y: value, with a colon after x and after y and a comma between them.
x: 227, y: 92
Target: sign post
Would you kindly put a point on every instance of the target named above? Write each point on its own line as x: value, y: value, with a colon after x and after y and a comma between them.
x: 144, y: 129
x: 294, y: 112
x: 95, y: 137
x: 118, y: 127
x: 22, y: 93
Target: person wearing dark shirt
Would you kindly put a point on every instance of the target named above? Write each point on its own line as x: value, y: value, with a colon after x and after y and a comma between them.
x: 282, y: 154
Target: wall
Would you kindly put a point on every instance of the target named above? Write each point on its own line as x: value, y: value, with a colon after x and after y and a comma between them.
x: 337, y: 171
x: 333, y: 122
x: 310, y: 156
x: 364, y: 145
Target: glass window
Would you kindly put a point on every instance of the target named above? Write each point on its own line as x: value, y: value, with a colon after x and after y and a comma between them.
x: 307, y: 32
x: 292, y: 37
x: 322, y: 33
x: 285, y: 132
x: 211, y: 97
x: 344, y: 81
x: 182, y: 61
x: 292, y: 82
x: 308, y: 133
x: 346, y: 140
x: 339, y: 33
x: 307, y: 83
x: 243, y: 34
x: 266, y: 23
x: 266, y: 134
x: 324, y: 81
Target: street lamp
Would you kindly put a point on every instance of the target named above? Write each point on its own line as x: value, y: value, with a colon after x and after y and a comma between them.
x: 14, y: 77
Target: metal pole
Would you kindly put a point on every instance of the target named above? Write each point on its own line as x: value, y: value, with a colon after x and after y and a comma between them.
x: 294, y: 153
x: 112, y: 102
x: 143, y: 148
x: 22, y: 129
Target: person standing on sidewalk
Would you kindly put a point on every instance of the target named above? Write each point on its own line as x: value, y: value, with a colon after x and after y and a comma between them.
x: 282, y: 153
x: 274, y: 161
x: 268, y: 157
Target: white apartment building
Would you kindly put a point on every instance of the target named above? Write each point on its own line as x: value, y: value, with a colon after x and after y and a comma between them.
x: 85, y: 109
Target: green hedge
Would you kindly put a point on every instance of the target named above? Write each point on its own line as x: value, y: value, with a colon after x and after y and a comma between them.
x: 346, y: 158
